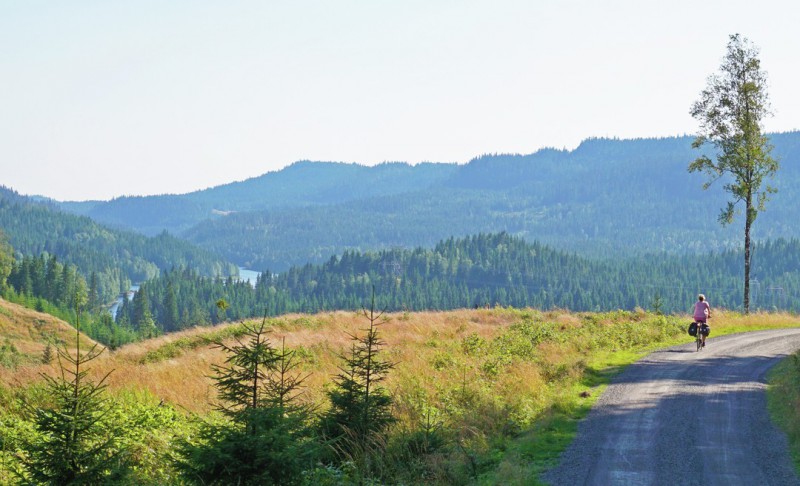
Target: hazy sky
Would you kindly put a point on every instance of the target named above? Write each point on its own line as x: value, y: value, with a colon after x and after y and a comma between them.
x: 106, y: 98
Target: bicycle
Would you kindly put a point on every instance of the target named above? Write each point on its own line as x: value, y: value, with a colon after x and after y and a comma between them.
x: 702, y: 330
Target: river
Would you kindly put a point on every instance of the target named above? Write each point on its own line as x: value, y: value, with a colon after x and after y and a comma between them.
x: 249, y: 276
x: 118, y: 303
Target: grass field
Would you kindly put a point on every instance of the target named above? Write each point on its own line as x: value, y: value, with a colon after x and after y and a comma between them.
x: 502, y: 389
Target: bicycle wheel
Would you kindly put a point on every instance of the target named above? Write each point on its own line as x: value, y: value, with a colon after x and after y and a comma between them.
x: 699, y: 341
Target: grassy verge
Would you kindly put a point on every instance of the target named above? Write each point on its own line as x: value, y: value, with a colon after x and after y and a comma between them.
x: 539, y: 448
x: 783, y: 401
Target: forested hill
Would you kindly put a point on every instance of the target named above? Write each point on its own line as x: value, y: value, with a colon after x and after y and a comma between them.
x: 115, y: 257
x: 487, y: 269
x: 606, y: 198
x: 301, y: 184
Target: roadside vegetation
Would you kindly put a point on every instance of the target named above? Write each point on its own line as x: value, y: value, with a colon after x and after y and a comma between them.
x: 783, y: 396
x: 486, y: 396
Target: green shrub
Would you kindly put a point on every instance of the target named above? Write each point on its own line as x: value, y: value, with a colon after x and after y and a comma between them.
x: 10, y: 356
x: 473, y: 345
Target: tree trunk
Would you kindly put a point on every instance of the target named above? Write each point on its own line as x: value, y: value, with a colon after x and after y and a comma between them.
x: 748, y: 220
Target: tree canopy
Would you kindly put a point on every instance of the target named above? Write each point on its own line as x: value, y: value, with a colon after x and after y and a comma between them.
x: 731, y: 110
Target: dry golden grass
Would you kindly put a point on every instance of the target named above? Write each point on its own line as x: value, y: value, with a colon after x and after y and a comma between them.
x: 413, y: 341
x: 29, y: 332
x: 767, y: 320
x: 567, y: 321
x: 448, y: 364
x: 426, y: 347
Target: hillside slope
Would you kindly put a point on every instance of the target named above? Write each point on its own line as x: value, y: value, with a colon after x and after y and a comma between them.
x: 117, y: 257
x: 505, y: 385
x: 301, y: 184
x: 175, y: 367
x: 605, y: 198
x: 28, y: 333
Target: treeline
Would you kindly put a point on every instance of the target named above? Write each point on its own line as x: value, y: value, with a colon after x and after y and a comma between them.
x: 112, y: 258
x: 482, y: 270
x: 45, y: 277
x: 45, y: 284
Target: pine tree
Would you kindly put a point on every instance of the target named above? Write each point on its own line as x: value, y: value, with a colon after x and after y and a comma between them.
x: 266, y: 439
x: 6, y: 259
x: 142, y: 316
x: 76, y: 443
x: 171, y: 318
x: 47, y: 354
x: 360, y: 412
x: 94, y: 292
x: 240, y: 383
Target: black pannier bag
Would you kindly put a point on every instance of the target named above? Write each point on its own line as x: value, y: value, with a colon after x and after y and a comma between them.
x: 693, y: 329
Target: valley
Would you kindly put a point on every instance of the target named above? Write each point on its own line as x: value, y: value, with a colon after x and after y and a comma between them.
x: 515, y: 290
x: 399, y: 243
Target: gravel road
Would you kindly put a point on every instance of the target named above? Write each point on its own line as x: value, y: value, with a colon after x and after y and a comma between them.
x: 682, y: 417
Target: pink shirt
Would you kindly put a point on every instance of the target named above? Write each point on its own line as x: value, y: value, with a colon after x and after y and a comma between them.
x: 701, y: 310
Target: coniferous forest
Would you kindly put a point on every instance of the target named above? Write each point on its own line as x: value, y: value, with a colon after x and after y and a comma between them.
x: 483, y: 270
x: 606, y: 198
x: 113, y: 258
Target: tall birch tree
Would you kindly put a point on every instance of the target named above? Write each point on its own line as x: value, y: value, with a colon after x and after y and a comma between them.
x: 731, y: 110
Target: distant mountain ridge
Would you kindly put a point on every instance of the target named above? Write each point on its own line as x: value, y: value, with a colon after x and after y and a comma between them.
x: 607, y: 197
x: 301, y: 184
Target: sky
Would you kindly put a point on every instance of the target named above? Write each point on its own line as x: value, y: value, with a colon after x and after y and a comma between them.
x: 105, y: 98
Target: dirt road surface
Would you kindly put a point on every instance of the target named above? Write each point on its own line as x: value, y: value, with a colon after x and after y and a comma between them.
x: 682, y: 417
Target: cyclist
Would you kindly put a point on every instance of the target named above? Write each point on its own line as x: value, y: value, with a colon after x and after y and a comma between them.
x: 702, y: 312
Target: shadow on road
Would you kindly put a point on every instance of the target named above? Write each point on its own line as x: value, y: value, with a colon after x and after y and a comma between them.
x: 680, y: 416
